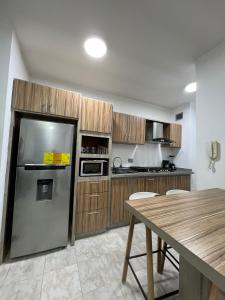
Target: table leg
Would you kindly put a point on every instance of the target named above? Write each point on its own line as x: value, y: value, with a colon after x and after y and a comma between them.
x: 150, y: 278
x: 129, y: 242
x: 163, y: 258
x: 159, y: 255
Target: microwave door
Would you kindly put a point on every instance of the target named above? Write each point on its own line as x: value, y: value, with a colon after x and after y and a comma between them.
x: 91, y: 168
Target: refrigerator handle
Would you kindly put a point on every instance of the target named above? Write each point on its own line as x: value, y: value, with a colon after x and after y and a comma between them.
x: 44, y: 167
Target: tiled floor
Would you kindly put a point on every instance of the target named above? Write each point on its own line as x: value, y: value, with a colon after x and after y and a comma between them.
x: 91, y: 270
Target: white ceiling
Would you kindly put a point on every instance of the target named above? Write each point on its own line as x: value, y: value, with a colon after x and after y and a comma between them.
x: 152, y: 45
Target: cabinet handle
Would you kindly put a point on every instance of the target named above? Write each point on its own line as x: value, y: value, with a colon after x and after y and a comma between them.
x: 93, y: 213
x: 150, y: 179
x: 94, y: 195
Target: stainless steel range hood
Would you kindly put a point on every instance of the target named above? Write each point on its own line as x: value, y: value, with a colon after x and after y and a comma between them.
x: 157, y: 134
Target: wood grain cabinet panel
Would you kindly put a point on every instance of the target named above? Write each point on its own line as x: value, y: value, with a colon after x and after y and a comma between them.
x: 128, y: 129
x: 173, y: 132
x: 90, y: 187
x: 91, y: 221
x: 122, y: 188
x: 91, y: 202
x: 96, y: 115
x: 32, y: 97
x: 64, y: 103
x: 119, y: 194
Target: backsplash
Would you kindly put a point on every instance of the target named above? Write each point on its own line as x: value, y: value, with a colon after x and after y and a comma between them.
x: 143, y: 155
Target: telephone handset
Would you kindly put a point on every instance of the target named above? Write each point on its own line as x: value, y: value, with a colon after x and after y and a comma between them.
x: 214, y: 154
x: 214, y: 150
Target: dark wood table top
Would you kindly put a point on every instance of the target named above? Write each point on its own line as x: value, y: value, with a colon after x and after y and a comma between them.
x: 193, y: 224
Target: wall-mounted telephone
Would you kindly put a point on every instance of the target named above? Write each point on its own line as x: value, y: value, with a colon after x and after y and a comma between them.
x: 214, y: 154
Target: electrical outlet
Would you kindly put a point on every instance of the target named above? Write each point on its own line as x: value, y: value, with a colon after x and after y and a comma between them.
x: 130, y: 160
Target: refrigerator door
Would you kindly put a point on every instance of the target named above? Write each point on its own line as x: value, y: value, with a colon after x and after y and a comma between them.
x: 38, y: 137
x: 41, y: 210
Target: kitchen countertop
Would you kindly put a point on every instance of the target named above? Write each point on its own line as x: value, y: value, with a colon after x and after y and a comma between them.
x: 179, y: 171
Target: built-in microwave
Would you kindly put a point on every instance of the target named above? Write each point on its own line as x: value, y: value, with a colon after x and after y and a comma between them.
x: 93, y: 167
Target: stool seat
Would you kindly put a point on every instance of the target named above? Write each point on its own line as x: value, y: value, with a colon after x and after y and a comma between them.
x: 141, y: 195
x: 173, y: 192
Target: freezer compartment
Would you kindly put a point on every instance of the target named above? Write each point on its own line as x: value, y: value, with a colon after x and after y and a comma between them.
x: 39, y: 137
x: 41, y: 210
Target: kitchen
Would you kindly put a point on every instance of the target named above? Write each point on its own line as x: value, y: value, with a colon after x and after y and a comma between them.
x: 73, y: 154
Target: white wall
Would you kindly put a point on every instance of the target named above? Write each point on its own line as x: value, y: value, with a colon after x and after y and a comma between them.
x: 5, y: 45
x: 186, y: 156
x: 210, y: 115
x: 18, y: 70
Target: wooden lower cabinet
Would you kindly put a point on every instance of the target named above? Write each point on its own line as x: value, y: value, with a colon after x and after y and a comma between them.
x: 122, y: 188
x: 92, y: 204
x: 91, y: 221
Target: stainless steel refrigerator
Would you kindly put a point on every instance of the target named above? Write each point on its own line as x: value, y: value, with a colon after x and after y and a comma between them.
x: 42, y: 188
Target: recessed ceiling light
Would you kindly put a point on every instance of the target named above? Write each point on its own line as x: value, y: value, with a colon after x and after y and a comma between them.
x: 95, y: 47
x: 191, y: 87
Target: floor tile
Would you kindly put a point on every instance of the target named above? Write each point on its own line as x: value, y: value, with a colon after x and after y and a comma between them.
x: 99, y: 271
x: 25, y: 269
x: 107, y: 292
x: 60, y: 259
x: 63, y: 284
x: 21, y: 290
x: 4, y: 268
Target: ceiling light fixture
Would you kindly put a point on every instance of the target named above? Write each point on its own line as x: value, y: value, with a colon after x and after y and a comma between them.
x: 191, y: 87
x: 95, y: 47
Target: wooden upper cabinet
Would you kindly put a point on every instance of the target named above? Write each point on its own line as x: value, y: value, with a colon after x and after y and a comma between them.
x: 96, y: 116
x: 128, y: 129
x: 32, y: 97
x: 173, y: 132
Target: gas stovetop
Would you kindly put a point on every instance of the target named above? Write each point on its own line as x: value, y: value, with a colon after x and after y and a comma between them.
x: 150, y: 169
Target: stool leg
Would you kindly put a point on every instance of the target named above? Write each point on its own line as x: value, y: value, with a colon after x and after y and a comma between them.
x: 214, y: 293
x: 163, y: 258
x: 149, y: 264
x: 159, y: 255
x: 129, y: 242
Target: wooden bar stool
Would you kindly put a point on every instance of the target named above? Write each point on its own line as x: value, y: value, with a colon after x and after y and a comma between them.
x: 142, y: 195
x: 214, y: 292
x: 149, y: 251
x: 176, y: 191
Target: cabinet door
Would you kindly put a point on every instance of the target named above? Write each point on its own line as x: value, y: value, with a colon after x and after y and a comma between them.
x: 32, y: 97
x: 119, y: 194
x: 162, y: 185
x: 128, y: 129
x: 135, y: 185
x: 28, y: 96
x: 151, y: 184
x: 173, y: 132
x: 136, y: 130
x: 96, y: 116
x: 184, y: 182
x: 91, y: 221
x: 64, y: 103
x: 120, y: 128
x: 176, y: 135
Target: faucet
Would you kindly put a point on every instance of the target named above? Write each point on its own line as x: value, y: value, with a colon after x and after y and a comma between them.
x: 115, y: 158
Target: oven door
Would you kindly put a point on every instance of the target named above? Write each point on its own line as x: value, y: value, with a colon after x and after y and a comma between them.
x: 91, y: 168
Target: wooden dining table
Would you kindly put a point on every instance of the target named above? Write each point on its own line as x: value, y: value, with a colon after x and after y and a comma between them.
x: 194, y: 225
